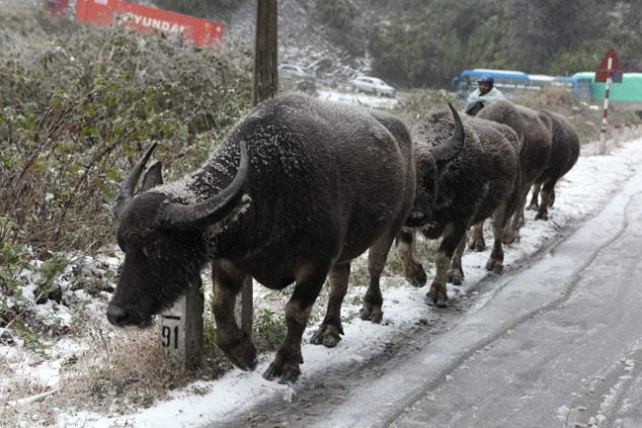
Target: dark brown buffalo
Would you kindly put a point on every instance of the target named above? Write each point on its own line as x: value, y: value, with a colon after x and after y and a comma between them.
x: 466, y: 172
x: 533, y: 129
x: 297, y: 191
x: 564, y: 154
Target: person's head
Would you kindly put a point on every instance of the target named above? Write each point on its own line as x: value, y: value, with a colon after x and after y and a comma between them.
x: 485, y: 84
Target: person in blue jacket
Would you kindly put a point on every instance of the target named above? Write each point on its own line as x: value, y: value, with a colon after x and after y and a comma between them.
x: 484, y: 95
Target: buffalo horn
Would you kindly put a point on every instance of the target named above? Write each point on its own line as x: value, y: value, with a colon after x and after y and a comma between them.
x: 210, y: 211
x: 153, y: 176
x: 446, y: 152
x: 126, y: 192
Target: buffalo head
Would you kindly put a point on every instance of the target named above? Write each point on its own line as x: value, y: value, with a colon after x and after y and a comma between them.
x: 430, y: 160
x: 165, y: 243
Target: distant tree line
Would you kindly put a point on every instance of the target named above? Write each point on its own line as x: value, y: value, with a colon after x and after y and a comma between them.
x: 426, y: 42
x: 200, y: 8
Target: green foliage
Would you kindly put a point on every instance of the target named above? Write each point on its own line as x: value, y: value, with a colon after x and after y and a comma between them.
x: 13, y: 259
x: 79, y: 105
x: 435, y: 39
x: 31, y: 339
x: 50, y: 271
x: 428, y: 46
x: 269, y: 329
x: 407, y: 65
x: 200, y: 8
x: 343, y: 24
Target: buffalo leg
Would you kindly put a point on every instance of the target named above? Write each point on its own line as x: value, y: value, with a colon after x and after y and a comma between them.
x: 516, y: 221
x: 234, y: 342
x: 501, y: 216
x: 477, y: 242
x: 551, y: 198
x: 373, y: 300
x: 437, y: 296
x: 330, y: 331
x: 297, y: 312
x: 547, y: 191
x: 535, y: 194
x: 412, y: 270
x: 456, y: 273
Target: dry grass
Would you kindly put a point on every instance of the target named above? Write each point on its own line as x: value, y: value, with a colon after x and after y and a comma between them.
x: 120, y: 373
x: 585, y: 119
x: 16, y: 388
x: 127, y: 369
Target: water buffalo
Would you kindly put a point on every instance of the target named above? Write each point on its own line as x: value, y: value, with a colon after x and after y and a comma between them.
x: 466, y: 172
x: 564, y: 153
x: 533, y: 129
x: 299, y: 189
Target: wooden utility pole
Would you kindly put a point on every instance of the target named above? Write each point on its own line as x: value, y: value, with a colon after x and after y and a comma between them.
x: 265, y: 86
x: 266, y: 51
x: 181, y: 332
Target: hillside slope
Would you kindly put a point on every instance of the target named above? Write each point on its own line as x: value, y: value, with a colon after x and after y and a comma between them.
x: 416, y: 43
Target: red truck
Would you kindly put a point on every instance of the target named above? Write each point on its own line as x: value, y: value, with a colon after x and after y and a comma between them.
x: 200, y: 32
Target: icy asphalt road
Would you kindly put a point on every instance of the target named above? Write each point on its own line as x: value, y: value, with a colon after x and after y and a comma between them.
x: 560, y: 344
x: 556, y: 344
x: 573, y: 362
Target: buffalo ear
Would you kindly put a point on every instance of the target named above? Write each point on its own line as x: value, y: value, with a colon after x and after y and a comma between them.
x: 153, y: 176
x: 126, y: 192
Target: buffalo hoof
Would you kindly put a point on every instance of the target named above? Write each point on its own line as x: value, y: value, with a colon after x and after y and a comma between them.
x: 455, y: 277
x: 437, y: 297
x: 494, y: 266
x: 372, y: 313
x: 289, y: 378
x: 242, y: 354
x: 541, y: 216
x: 416, y: 275
x: 327, y: 335
x: 439, y: 302
x: 478, y: 245
x: 288, y: 372
x: 510, y: 238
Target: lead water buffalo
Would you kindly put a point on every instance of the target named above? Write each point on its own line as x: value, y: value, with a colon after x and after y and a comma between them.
x: 466, y: 172
x: 533, y: 129
x: 297, y: 191
x: 564, y: 153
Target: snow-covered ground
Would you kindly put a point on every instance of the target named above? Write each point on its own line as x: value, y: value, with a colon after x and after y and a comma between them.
x: 351, y: 98
x: 586, y: 188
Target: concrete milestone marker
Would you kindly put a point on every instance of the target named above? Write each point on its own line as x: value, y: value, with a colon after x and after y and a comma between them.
x: 181, y: 330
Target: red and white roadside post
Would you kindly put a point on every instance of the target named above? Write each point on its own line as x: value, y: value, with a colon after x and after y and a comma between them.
x: 605, y: 115
x: 609, y: 71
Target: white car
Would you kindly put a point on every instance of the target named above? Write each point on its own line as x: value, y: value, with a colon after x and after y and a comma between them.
x: 372, y: 85
x: 290, y: 71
